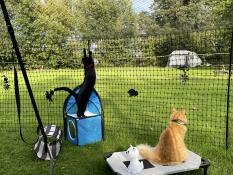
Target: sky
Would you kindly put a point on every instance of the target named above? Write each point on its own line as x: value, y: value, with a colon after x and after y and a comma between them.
x: 142, y: 5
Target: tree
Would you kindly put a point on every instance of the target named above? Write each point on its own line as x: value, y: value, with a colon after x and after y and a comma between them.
x: 182, y: 15
x: 146, y: 24
x: 222, y: 12
x: 42, y: 29
x: 105, y: 18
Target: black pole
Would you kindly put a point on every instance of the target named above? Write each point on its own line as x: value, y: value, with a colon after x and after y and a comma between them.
x: 89, y: 44
x: 229, y: 92
x: 19, y: 57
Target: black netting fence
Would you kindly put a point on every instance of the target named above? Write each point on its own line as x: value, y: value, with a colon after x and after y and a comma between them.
x: 184, y: 70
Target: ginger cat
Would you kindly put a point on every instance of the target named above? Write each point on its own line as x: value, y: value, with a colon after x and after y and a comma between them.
x: 171, y: 149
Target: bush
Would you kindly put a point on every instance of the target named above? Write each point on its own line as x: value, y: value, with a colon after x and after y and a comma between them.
x: 140, y: 51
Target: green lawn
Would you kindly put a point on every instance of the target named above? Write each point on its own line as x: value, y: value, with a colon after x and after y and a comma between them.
x: 129, y: 120
x: 17, y: 158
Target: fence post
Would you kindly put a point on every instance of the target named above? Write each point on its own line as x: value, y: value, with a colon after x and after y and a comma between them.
x: 88, y: 44
x: 228, y: 93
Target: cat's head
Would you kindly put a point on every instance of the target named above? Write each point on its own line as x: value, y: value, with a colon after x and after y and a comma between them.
x: 179, y: 115
x: 132, y: 152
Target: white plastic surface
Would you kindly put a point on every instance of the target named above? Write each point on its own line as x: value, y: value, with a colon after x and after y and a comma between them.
x: 86, y: 113
x: 116, y: 163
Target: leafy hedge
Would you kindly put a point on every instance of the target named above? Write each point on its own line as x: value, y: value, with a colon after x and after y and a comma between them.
x: 141, y: 51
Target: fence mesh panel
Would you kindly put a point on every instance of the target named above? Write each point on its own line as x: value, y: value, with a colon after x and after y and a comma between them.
x: 175, y: 79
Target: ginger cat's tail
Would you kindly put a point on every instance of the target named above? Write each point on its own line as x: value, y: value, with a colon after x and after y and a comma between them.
x: 147, y: 152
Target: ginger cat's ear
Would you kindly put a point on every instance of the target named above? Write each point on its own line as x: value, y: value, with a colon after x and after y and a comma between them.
x: 174, y: 110
x: 183, y: 111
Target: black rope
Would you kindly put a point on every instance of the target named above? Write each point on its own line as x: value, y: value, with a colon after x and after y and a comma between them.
x: 66, y: 89
x: 17, y: 97
x: 19, y: 57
